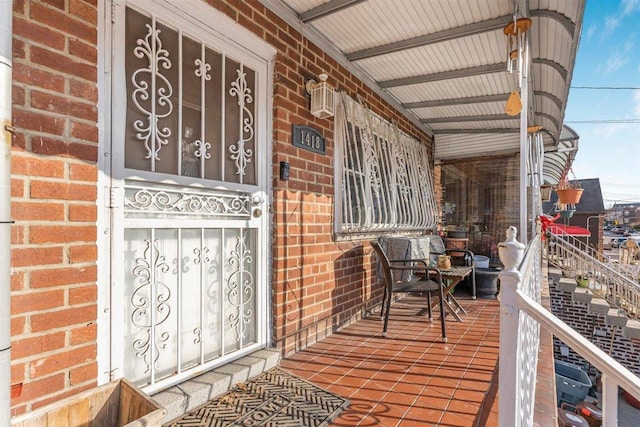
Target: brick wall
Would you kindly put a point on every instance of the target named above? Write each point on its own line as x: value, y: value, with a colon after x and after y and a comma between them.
x: 53, y: 200
x: 592, y: 327
x: 318, y: 284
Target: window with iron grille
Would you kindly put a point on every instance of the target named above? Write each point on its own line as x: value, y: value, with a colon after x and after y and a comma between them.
x: 383, y: 176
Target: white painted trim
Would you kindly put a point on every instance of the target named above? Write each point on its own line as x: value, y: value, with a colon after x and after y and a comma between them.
x: 256, y: 54
x: 211, y: 20
x: 104, y: 169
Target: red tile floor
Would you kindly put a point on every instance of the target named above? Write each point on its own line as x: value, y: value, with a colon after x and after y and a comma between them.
x: 410, y: 378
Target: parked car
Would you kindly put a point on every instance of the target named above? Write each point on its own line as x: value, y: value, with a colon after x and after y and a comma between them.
x: 617, y: 242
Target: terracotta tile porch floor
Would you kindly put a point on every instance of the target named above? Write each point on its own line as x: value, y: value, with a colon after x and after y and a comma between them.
x: 410, y: 378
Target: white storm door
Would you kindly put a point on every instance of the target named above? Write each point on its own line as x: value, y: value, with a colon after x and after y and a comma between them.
x: 189, y: 191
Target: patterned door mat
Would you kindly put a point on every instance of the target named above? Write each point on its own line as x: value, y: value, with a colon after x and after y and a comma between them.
x: 274, y: 398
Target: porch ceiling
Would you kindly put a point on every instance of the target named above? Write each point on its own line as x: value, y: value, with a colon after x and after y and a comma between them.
x: 443, y: 64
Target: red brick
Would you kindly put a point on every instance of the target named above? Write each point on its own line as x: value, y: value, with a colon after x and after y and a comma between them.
x: 84, y: 334
x: 63, y: 22
x: 62, y: 276
x: 17, y: 187
x: 18, y: 7
x: 17, y: 280
x: 18, y: 324
x: 35, y: 389
x: 84, y: 11
x: 55, y: 3
x: 82, y: 213
x: 35, y: 77
x: 27, y: 211
x: 37, y: 345
x: 18, y: 50
x: 36, y: 300
x: 17, y: 235
x: 34, y: 32
x: 23, y: 257
x: 62, y: 63
x: 88, y: 152
x: 56, y: 362
x: 17, y: 373
x: 83, y: 253
x: 51, y: 399
x: 60, y: 105
x: 83, y: 295
x: 63, y: 318
x: 18, y: 142
x: 83, y: 374
x: 84, y: 90
x: 58, y: 147
x: 84, y: 131
x: 17, y: 95
x: 83, y: 51
x: 31, y: 166
x: 38, y: 122
x: 62, y: 191
x: 83, y: 172
x: 61, y: 234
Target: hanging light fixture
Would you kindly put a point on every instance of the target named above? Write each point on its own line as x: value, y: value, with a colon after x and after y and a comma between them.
x: 322, y: 102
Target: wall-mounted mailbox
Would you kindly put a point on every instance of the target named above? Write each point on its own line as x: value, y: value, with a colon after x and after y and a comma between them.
x: 284, y: 171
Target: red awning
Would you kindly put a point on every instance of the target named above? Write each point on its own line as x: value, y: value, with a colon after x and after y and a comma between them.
x: 572, y: 230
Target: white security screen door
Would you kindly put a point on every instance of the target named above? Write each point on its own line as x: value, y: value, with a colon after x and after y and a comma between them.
x: 188, y: 196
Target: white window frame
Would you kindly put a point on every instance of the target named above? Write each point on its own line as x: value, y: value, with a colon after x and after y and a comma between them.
x: 383, y: 176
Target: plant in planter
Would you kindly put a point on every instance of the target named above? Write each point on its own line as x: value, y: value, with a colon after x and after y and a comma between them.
x: 565, y: 210
x: 583, y: 280
x: 569, y: 192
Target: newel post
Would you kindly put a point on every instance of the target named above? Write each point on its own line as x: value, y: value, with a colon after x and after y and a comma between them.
x: 510, y: 252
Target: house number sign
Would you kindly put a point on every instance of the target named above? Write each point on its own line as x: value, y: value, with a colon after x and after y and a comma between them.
x: 308, y: 138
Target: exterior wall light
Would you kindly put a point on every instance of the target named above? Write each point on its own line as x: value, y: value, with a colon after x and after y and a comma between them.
x: 322, y: 97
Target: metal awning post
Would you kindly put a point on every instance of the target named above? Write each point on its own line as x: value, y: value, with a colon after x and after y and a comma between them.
x: 524, y: 146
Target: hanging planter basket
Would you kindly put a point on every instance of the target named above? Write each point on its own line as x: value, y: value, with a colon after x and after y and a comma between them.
x: 569, y: 196
x: 545, y: 193
x: 567, y: 213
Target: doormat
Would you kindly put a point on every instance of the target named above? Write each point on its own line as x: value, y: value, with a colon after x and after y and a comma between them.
x: 274, y: 398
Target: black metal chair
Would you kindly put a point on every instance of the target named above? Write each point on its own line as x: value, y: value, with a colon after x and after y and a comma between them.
x: 418, y: 282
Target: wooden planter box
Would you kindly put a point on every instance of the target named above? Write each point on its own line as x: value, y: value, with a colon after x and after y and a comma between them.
x: 117, y: 404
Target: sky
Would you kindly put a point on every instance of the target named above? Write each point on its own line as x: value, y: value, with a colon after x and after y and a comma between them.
x: 608, y: 57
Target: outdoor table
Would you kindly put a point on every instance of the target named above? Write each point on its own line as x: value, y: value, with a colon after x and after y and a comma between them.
x: 452, y: 276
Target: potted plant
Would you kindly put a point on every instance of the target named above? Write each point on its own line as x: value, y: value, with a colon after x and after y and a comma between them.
x: 569, y: 192
x: 583, y: 280
x: 565, y: 211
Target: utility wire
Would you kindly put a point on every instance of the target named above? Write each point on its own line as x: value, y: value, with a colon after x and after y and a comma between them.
x: 604, y: 121
x: 606, y: 87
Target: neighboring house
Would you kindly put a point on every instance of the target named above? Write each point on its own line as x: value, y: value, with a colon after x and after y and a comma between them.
x: 625, y: 215
x: 589, y: 212
x: 177, y: 205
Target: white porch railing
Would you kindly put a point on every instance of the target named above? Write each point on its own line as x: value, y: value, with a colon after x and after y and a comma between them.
x: 617, y: 286
x: 521, y: 318
x: 632, y: 272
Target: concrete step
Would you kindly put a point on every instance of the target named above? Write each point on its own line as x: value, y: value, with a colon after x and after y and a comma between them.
x: 566, y: 284
x: 598, y: 306
x: 188, y: 395
x: 632, y: 329
x: 615, y: 317
x: 583, y: 295
x: 555, y: 274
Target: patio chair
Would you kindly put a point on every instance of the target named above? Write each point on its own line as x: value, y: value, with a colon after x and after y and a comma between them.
x: 437, y: 247
x: 417, y: 282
